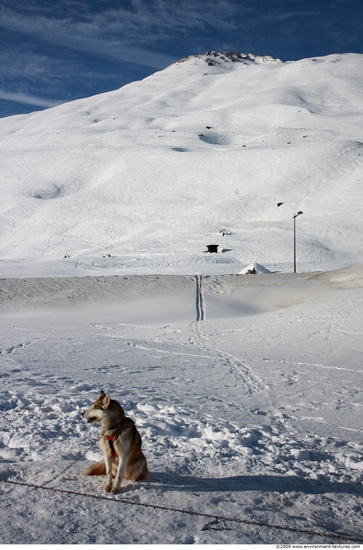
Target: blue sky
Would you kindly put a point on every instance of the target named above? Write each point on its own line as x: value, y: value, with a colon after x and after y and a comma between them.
x: 53, y: 51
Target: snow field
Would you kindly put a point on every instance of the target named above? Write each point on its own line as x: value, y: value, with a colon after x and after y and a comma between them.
x: 253, y: 417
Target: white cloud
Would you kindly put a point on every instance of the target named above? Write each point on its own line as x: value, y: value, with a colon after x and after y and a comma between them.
x: 285, y: 15
x: 108, y: 34
x: 29, y: 99
x: 120, y: 33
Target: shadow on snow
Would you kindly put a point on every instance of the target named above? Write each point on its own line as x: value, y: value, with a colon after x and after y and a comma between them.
x: 266, y: 483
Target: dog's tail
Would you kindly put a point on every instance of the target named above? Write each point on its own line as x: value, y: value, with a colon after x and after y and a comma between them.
x: 98, y: 469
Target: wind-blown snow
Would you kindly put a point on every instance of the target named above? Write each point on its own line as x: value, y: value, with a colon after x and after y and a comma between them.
x: 246, y: 388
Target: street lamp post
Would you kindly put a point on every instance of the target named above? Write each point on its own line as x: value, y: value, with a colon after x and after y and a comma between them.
x: 294, y: 217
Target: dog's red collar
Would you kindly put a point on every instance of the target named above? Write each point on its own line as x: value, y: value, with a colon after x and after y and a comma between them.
x: 111, y: 439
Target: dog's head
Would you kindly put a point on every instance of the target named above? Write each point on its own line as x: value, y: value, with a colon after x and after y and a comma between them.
x: 100, y: 409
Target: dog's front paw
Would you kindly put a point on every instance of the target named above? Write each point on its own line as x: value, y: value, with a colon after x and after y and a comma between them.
x: 108, y: 487
x: 114, y: 490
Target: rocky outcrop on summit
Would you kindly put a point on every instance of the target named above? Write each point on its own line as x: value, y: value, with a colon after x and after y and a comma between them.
x: 213, y: 57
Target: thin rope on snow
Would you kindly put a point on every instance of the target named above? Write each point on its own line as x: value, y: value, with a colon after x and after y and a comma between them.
x: 181, y: 511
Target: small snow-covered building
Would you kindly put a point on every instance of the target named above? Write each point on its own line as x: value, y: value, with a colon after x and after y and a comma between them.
x: 253, y: 269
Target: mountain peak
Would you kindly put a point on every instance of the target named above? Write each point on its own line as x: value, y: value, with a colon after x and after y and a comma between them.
x: 214, y: 57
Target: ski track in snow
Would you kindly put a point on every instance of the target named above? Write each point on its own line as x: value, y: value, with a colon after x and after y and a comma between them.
x: 249, y: 381
x: 15, y: 347
x: 244, y: 376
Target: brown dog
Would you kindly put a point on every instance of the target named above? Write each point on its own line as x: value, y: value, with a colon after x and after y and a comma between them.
x: 120, y: 442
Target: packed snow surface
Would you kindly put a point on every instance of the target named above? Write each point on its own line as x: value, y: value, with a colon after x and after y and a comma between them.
x: 246, y: 390
x: 244, y: 379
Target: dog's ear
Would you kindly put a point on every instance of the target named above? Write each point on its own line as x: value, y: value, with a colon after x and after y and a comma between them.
x: 102, y: 395
x: 106, y: 401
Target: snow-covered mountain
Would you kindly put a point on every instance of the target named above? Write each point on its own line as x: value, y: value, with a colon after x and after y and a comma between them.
x: 246, y: 389
x: 143, y: 178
